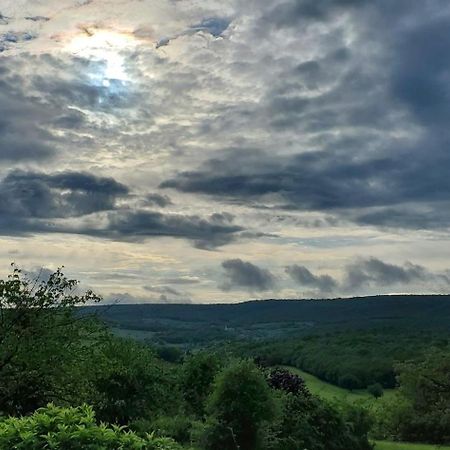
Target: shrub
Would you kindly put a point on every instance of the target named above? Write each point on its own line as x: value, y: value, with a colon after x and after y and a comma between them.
x: 72, y: 429
x: 132, y: 384
x: 309, y: 423
x: 376, y: 390
x: 196, y: 380
x: 239, y: 407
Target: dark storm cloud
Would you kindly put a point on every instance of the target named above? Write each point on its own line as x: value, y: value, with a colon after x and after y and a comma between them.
x: 206, y: 233
x: 353, y: 109
x: 30, y: 195
x: 33, y: 202
x: 23, y: 122
x: 374, y: 272
x: 245, y: 275
x: 304, y: 277
x: 371, y: 272
x: 421, y: 74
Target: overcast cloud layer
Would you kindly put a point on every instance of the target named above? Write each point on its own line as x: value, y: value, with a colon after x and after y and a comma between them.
x: 219, y: 151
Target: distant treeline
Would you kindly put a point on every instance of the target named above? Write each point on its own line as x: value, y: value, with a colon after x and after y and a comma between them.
x: 420, y: 311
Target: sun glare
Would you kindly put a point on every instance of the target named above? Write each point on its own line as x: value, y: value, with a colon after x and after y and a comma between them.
x: 105, y: 47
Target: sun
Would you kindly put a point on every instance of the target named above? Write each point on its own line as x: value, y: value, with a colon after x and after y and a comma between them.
x: 108, y: 48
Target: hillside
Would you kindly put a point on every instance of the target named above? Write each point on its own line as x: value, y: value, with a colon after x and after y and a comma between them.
x: 194, y: 323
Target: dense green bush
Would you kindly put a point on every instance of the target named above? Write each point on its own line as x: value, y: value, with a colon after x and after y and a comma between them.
x: 72, y: 428
x: 132, y: 383
x: 425, y: 388
x: 376, y: 390
x: 196, y: 380
x: 239, y: 407
x: 307, y: 422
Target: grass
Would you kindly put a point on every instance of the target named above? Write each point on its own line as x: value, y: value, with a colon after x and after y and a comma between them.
x: 335, y: 393
x: 406, y: 446
x: 331, y: 392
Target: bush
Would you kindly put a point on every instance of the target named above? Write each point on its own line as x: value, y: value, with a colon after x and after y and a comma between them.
x: 376, y: 390
x: 239, y: 407
x: 72, y: 429
x: 132, y: 384
x: 309, y: 423
x: 176, y: 427
x: 196, y: 380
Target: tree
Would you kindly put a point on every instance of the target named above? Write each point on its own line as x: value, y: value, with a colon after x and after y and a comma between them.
x: 240, y: 404
x: 43, y: 342
x: 307, y: 422
x: 196, y: 379
x: 349, y: 381
x: 131, y: 383
x: 376, y: 390
x: 425, y: 415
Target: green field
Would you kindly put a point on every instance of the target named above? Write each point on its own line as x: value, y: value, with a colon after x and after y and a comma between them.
x: 405, y: 446
x: 331, y: 392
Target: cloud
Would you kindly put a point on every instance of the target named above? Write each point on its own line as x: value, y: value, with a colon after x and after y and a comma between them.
x: 291, y: 12
x: 124, y: 298
x: 29, y: 199
x: 31, y: 195
x: 157, y: 200
x: 367, y: 134
x: 37, y: 18
x: 168, y: 294
x: 206, y: 233
x: 182, y: 280
x: 245, y: 275
x: 11, y: 38
x: 301, y: 275
x: 23, y: 121
x: 215, y: 26
x: 374, y: 272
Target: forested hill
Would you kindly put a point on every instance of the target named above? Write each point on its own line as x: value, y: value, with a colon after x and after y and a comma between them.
x: 422, y: 311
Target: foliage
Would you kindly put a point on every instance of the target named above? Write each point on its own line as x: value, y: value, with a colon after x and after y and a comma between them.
x: 307, y: 422
x: 426, y: 388
x: 196, y: 379
x: 239, y: 406
x: 376, y: 390
x: 72, y: 428
x: 349, y: 381
x: 43, y: 342
x: 178, y: 427
x: 132, y: 383
x: 287, y: 381
x: 169, y: 353
x: 350, y: 359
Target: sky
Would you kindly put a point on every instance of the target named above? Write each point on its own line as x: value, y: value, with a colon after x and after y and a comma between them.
x: 219, y: 151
